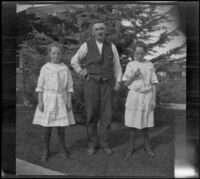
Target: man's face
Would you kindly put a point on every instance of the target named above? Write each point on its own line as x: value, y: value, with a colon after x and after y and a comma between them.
x: 98, y: 31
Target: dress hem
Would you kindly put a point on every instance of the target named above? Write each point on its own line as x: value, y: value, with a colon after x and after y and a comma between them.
x: 138, y: 127
x: 61, y: 125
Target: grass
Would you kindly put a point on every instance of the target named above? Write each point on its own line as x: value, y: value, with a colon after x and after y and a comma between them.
x: 171, y: 90
x: 29, y: 147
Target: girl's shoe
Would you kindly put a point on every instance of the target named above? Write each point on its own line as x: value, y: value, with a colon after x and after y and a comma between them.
x: 147, y: 148
x: 149, y: 151
x: 45, y: 156
x: 130, y: 153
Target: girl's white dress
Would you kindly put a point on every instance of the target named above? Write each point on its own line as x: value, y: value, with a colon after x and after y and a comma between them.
x: 54, y: 81
x: 139, y: 113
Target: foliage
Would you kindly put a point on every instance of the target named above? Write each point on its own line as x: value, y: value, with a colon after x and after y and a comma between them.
x: 171, y: 90
x: 73, y: 26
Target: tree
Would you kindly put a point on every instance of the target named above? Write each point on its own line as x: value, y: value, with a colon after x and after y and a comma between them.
x: 72, y: 26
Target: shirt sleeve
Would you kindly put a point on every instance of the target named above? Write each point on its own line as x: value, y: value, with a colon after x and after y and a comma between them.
x: 154, y: 78
x: 78, y: 57
x: 117, y: 65
x: 41, y: 81
x: 127, y: 73
x: 69, y: 86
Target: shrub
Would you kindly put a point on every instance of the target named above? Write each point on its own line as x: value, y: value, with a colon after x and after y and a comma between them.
x: 171, y: 90
x: 72, y: 28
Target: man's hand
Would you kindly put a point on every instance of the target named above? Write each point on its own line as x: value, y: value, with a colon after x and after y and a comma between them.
x: 41, y: 106
x: 83, y: 72
x: 117, y: 86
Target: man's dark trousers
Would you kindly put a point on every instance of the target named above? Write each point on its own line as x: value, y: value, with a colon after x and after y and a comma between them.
x: 98, y: 100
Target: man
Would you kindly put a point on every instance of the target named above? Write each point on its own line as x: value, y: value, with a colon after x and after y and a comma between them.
x: 102, y: 71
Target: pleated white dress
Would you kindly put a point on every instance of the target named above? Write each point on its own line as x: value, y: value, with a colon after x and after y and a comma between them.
x: 139, y: 113
x: 54, y: 81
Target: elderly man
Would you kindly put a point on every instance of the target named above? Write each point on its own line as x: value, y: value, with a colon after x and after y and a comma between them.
x: 97, y: 60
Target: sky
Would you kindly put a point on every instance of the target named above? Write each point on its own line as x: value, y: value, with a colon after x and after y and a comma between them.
x: 23, y: 7
x: 176, y: 41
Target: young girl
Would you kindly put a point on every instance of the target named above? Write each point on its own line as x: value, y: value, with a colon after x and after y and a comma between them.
x: 54, y: 87
x: 140, y: 78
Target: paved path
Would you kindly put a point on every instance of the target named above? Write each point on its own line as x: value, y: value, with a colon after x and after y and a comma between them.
x: 173, y: 106
x: 161, y: 105
x: 26, y: 168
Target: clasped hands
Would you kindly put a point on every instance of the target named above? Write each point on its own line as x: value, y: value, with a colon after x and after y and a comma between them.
x: 136, y: 75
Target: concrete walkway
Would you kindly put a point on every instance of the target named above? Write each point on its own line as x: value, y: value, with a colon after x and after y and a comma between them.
x: 172, y: 106
x: 161, y: 105
x: 26, y: 168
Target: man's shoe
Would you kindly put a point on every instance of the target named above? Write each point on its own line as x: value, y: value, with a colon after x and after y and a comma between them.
x: 108, y: 150
x: 65, y: 153
x: 91, y: 151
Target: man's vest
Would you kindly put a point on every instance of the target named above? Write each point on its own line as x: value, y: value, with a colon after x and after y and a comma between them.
x: 99, y: 66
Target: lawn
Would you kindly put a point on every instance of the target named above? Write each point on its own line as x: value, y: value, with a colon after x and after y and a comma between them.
x: 29, y: 146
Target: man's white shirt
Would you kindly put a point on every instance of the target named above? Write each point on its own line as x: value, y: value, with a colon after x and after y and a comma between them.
x: 82, y: 52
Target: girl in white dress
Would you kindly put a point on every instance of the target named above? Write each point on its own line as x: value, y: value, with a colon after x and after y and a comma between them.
x: 54, y: 87
x: 140, y: 78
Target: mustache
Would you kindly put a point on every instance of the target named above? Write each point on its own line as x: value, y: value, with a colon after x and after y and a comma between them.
x: 101, y: 34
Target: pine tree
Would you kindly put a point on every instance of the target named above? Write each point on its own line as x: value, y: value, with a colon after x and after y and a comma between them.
x: 71, y: 26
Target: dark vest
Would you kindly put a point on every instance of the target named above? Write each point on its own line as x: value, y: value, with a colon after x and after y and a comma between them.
x: 99, y: 66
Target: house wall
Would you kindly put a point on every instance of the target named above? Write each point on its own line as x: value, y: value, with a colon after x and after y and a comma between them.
x: 19, y: 81
x: 19, y: 73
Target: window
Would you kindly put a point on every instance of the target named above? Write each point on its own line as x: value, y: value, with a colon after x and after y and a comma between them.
x: 163, y: 74
x: 19, y: 63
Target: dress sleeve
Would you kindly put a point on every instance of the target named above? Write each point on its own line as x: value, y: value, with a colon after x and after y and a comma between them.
x: 41, y: 81
x: 117, y: 65
x: 127, y: 73
x: 69, y: 86
x: 154, y: 78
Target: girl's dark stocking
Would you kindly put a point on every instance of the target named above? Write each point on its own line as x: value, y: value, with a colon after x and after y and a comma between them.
x: 47, y: 136
x: 132, y: 134
x: 147, y: 146
x: 61, y: 138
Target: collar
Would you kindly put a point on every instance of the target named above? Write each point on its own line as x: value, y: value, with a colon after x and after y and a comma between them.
x: 97, y: 42
x: 55, y: 67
